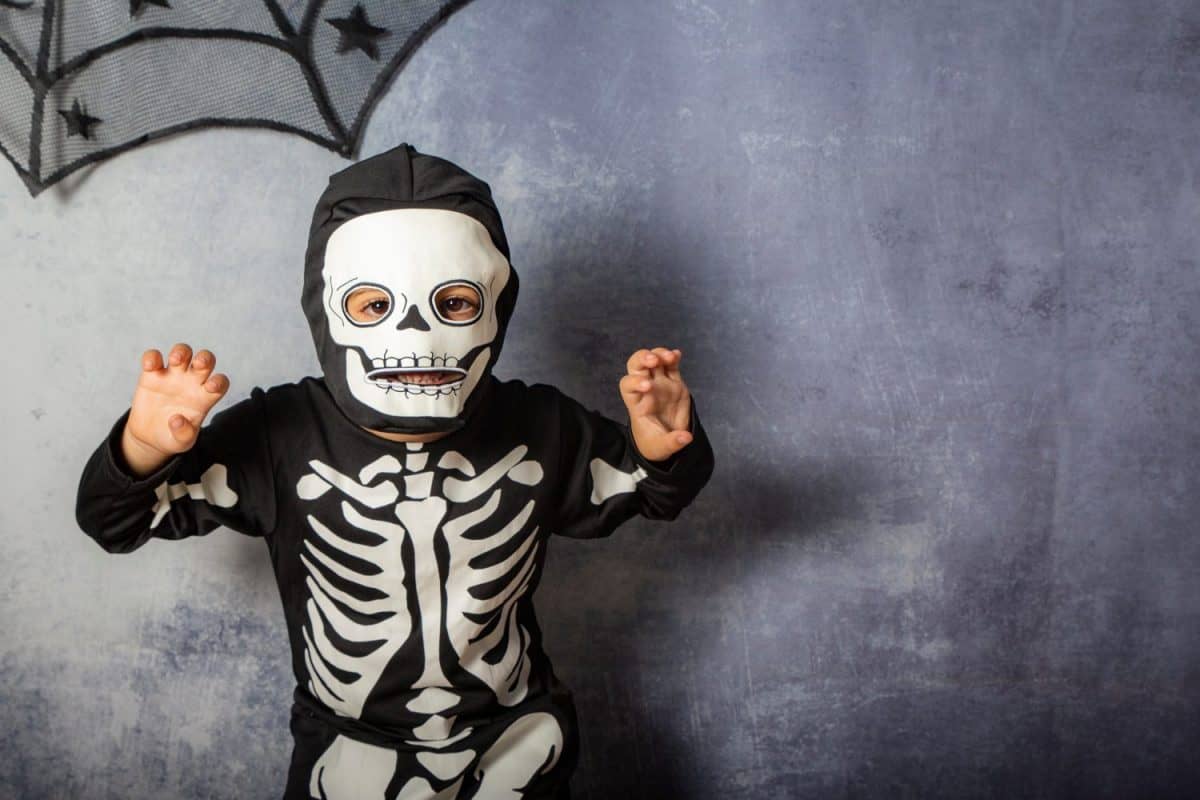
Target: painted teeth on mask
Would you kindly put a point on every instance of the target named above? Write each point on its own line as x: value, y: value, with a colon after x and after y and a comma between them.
x: 416, y: 389
x: 430, y: 375
x: 409, y: 362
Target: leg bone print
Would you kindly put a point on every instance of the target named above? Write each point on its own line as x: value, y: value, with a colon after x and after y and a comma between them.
x: 492, y: 561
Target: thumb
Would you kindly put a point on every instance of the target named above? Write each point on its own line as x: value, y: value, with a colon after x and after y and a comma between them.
x: 656, y: 444
x: 182, y: 431
x: 675, y: 441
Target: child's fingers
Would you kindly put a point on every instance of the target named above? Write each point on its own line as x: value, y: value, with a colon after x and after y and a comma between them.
x: 669, y: 359
x: 636, y: 394
x: 673, y: 367
x: 634, y: 386
x: 178, y: 360
x: 152, y: 361
x: 202, y: 364
x: 666, y: 355
x: 217, y: 384
x: 651, y: 362
x: 640, y: 362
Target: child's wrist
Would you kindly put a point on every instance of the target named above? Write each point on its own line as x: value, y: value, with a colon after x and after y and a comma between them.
x: 140, y: 458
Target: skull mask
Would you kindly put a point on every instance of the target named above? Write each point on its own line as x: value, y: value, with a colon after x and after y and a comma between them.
x: 408, y: 291
x: 415, y: 258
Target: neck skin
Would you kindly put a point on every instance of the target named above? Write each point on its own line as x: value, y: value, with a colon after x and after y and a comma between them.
x: 408, y: 437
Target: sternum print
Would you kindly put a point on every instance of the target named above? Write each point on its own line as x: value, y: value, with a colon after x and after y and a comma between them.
x: 421, y: 519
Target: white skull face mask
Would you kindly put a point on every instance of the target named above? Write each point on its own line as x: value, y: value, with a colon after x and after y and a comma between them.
x: 411, y: 350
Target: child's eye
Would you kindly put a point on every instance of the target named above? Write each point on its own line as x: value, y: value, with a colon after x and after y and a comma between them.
x: 368, y: 304
x: 458, y: 303
x: 455, y: 305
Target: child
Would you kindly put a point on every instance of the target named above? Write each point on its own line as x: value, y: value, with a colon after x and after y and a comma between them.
x: 406, y: 498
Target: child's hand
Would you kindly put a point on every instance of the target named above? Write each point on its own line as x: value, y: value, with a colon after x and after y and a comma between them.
x: 169, y: 405
x: 658, y: 402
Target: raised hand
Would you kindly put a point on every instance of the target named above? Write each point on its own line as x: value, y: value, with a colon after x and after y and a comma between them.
x: 658, y: 401
x: 169, y: 406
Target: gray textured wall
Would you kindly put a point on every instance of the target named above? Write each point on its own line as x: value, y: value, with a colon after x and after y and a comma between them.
x: 933, y: 268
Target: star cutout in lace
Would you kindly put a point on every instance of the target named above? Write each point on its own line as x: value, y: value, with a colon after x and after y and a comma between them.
x: 357, y: 33
x: 79, y: 122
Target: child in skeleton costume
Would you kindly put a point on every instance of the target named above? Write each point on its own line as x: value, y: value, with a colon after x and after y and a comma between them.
x: 407, y: 497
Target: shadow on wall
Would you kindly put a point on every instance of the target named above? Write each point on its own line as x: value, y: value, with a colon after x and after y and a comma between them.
x: 697, y: 644
x: 623, y: 612
x: 589, y: 310
x: 657, y: 656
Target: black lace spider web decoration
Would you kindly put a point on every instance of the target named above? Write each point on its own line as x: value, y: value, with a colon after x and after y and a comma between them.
x: 82, y: 81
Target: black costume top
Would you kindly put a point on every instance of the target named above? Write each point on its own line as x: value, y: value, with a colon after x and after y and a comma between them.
x: 406, y: 570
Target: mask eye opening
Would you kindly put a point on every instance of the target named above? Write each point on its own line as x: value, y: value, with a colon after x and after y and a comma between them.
x: 472, y: 285
x: 358, y: 287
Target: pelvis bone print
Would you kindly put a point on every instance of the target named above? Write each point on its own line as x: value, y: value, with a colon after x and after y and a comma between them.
x: 472, y: 605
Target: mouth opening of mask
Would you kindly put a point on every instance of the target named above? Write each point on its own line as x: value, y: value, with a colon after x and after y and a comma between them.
x: 420, y: 376
x: 442, y: 372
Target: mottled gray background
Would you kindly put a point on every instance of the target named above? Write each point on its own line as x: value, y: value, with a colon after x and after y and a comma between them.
x: 933, y: 268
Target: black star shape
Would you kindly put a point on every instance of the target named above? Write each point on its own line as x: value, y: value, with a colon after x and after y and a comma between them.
x: 79, y: 122
x: 357, y: 33
x: 135, y: 6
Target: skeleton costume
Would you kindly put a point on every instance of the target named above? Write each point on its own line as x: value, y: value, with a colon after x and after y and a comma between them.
x: 407, y: 570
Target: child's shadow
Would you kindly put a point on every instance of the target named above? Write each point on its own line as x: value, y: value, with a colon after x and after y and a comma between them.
x: 649, y: 628
x: 633, y: 622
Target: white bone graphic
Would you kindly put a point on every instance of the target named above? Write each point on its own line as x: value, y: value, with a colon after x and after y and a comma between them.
x: 530, y: 746
x: 213, y: 489
x: 482, y: 601
x: 492, y: 562
x: 390, y: 632
x: 608, y: 481
x: 455, y: 460
x: 352, y: 769
x: 324, y: 476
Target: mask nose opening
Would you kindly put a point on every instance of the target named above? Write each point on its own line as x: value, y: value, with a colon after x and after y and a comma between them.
x: 413, y: 320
